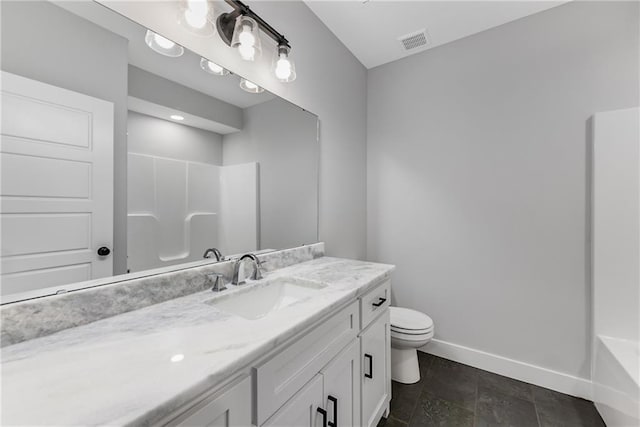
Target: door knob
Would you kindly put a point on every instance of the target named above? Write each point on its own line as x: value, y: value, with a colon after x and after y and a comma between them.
x: 104, y: 251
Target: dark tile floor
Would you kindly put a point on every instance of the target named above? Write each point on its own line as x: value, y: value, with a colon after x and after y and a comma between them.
x: 457, y: 395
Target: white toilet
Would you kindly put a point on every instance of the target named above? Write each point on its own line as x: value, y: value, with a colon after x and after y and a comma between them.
x: 410, y: 329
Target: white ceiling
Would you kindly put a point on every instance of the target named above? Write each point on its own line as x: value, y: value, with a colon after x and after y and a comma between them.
x: 370, y: 29
x: 184, y: 70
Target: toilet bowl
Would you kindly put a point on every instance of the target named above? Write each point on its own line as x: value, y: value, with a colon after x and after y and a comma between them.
x: 410, y: 329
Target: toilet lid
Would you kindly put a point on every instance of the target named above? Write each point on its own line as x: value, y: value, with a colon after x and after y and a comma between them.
x: 410, y: 320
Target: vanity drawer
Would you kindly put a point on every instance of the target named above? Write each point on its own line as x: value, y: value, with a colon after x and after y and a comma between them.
x: 281, y: 377
x: 374, y: 302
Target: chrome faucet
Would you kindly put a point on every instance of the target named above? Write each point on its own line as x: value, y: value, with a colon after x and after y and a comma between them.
x: 257, y: 269
x: 215, y: 252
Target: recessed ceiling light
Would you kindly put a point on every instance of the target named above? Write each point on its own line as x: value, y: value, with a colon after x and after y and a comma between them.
x: 177, y: 117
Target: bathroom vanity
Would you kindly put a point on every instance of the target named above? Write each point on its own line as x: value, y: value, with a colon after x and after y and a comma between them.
x: 307, y: 346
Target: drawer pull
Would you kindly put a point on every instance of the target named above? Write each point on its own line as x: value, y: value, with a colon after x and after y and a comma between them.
x: 380, y: 302
x: 370, y: 374
x: 324, y: 416
x: 334, y: 400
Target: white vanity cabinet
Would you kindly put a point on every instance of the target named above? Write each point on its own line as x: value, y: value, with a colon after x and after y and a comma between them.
x: 335, y: 374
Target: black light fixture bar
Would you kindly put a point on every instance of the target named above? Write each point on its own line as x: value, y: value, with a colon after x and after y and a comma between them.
x: 226, y: 23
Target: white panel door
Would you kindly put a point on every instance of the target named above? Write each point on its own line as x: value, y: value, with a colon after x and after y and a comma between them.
x: 56, y: 186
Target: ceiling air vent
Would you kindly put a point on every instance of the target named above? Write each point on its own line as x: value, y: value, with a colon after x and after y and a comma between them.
x: 413, y: 41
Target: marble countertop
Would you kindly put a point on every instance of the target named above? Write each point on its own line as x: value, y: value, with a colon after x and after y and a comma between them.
x: 119, y: 370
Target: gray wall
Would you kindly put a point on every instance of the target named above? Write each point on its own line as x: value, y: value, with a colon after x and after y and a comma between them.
x: 331, y: 83
x: 46, y: 43
x: 282, y: 138
x: 477, y: 177
x: 163, y: 138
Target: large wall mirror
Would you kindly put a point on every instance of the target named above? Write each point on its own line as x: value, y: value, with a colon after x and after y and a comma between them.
x: 125, y: 153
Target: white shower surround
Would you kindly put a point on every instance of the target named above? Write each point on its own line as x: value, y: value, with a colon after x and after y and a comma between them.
x: 615, y: 370
x: 199, y: 206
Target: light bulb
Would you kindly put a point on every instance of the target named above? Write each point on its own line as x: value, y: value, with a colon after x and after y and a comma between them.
x: 163, y: 42
x: 245, y: 37
x: 177, y: 117
x: 196, y: 13
x: 251, y: 85
x: 283, y: 68
x: 247, y: 52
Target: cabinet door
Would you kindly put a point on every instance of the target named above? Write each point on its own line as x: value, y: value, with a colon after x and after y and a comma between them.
x: 302, y: 409
x: 230, y: 408
x: 342, y: 387
x: 375, y: 375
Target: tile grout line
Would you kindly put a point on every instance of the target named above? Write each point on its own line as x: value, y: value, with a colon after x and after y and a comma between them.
x: 475, y: 407
x: 535, y: 407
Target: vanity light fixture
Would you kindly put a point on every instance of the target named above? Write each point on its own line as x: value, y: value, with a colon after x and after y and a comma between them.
x: 196, y: 16
x: 212, y: 67
x: 249, y: 86
x: 176, y: 117
x: 162, y: 45
x: 239, y: 29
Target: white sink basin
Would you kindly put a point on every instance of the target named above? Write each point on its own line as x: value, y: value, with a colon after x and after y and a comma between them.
x: 261, y: 299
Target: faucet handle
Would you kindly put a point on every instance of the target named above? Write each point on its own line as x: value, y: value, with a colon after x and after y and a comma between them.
x: 217, y: 280
x: 260, y: 269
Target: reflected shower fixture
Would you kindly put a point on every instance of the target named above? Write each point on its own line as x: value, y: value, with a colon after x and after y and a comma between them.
x: 212, y: 68
x: 162, y: 45
x: 249, y: 86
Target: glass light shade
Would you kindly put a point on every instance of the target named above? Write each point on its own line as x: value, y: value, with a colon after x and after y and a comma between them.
x: 250, y: 87
x: 283, y: 66
x: 212, y: 67
x: 246, y: 38
x: 162, y: 45
x: 196, y: 16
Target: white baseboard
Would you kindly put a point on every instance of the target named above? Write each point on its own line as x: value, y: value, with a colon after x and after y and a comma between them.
x: 522, y: 371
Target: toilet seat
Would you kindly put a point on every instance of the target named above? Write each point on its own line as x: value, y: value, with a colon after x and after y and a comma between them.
x: 412, y: 338
x: 407, y: 321
x: 411, y: 332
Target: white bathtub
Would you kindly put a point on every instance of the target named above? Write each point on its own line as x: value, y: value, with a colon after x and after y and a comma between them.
x: 616, y: 381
